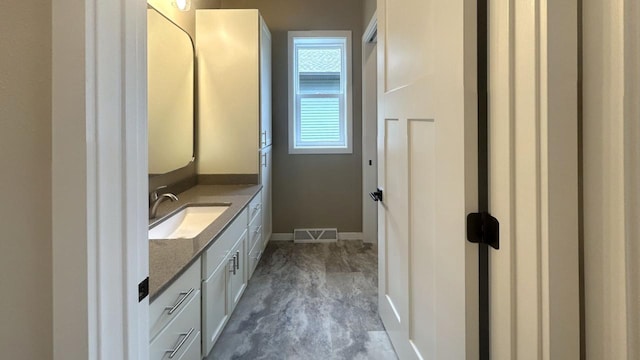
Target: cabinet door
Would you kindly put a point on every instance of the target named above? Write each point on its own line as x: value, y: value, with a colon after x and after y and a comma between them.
x: 265, y: 85
x: 238, y: 278
x: 267, y: 166
x: 228, y: 90
x: 215, y: 310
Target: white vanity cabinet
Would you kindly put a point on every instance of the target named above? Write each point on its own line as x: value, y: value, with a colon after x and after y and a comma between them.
x: 233, y: 50
x: 266, y: 176
x: 187, y: 318
x: 223, y: 279
x: 266, y: 127
x: 175, y: 319
x: 256, y: 226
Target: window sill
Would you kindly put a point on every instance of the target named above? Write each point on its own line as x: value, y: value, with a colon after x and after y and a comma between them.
x: 322, y: 151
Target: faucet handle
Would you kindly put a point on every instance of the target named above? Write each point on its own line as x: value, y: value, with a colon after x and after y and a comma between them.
x: 153, y: 196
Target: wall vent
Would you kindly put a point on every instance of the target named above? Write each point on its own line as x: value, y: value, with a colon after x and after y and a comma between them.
x: 315, y: 235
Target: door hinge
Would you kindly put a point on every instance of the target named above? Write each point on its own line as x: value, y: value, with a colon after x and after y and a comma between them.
x: 482, y: 228
x: 143, y: 289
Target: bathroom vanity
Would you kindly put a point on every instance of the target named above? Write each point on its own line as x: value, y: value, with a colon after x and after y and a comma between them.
x: 205, y: 244
x: 196, y: 283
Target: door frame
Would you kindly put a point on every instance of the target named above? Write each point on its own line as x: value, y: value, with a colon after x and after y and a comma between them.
x: 99, y: 179
x: 533, y: 157
x: 369, y: 134
x: 611, y: 179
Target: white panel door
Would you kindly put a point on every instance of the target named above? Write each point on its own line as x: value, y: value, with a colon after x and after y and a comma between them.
x: 427, y: 157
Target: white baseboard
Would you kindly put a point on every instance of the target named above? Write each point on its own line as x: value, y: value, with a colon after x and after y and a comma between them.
x: 341, y: 236
x: 314, y: 241
x: 350, y: 236
x: 282, y: 237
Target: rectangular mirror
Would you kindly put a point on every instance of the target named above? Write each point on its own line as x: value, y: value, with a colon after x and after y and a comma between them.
x: 170, y: 61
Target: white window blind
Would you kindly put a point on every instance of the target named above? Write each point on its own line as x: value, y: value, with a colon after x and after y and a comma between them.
x: 319, y: 103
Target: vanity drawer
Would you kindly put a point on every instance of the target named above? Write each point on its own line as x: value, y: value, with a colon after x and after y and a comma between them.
x: 254, y: 257
x: 255, y: 230
x: 255, y: 205
x: 167, y: 306
x: 193, y: 351
x: 179, y: 333
x: 216, y: 255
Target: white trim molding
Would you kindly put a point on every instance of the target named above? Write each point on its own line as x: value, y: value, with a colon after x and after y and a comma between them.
x: 346, y: 236
x: 370, y: 34
x: 533, y: 157
x: 350, y: 236
x: 282, y: 237
x: 611, y: 195
x: 369, y: 69
x: 99, y: 166
x: 319, y: 38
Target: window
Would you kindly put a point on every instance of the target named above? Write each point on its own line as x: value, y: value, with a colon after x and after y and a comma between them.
x: 320, y: 103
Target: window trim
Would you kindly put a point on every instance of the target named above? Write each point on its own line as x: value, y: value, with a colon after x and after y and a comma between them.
x: 292, y: 96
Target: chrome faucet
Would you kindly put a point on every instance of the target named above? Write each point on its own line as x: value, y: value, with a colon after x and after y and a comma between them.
x: 155, y: 200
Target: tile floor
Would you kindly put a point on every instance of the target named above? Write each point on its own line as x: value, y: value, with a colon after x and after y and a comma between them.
x: 309, y: 301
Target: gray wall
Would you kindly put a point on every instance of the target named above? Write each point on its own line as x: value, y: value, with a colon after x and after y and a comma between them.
x: 312, y: 190
x: 369, y: 8
x: 25, y: 156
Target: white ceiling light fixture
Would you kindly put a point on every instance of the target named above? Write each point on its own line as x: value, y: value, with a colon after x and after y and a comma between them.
x: 182, y: 5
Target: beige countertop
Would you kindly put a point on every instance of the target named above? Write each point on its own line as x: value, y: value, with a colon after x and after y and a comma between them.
x: 168, y: 259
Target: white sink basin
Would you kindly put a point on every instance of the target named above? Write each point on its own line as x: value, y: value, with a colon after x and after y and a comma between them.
x: 187, y: 223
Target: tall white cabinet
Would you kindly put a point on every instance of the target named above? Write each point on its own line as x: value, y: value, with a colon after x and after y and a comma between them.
x: 233, y: 50
x: 266, y: 162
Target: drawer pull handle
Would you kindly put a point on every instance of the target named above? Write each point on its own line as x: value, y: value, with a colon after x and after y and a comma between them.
x: 257, y: 230
x: 238, y: 261
x: 233, y: 265
x: 184, y: 297
x: 174, y: 351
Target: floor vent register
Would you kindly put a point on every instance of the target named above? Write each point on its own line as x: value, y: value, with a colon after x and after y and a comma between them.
x: 315, y: 235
